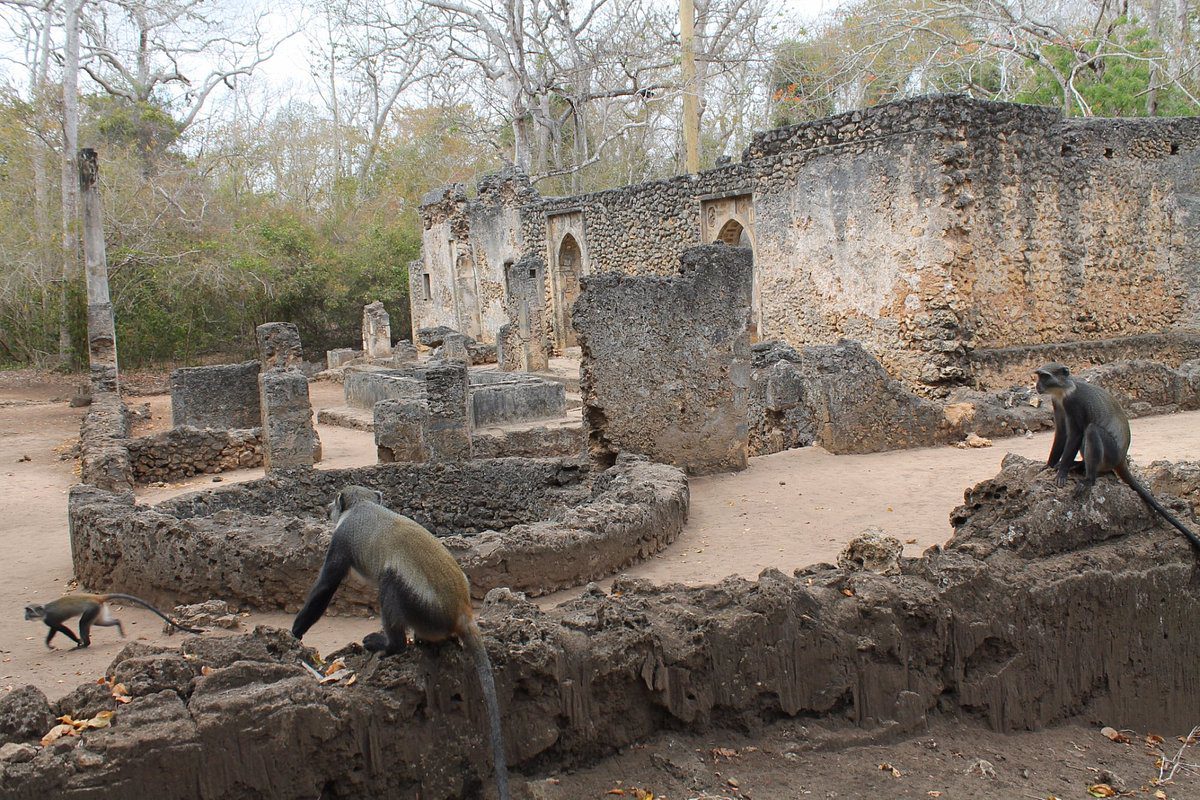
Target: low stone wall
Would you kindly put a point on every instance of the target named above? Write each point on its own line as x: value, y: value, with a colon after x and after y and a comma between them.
x: 104, y: 454
x: 1046, y: 605
x: 364, y: 386
x: 999, y: 368
x: 186, y: 451
x: 261, y: 543
x: 565, y: 441
x: 224, y: 396
x: 500, y: 398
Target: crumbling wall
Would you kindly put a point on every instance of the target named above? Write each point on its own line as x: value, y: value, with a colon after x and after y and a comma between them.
x: 1047, y: 604
x: 665, y: 365
x: 261, y: 543
x: 103, y: 435
x: 927, y: 229
x: 222, y: 397
x: 185, y: 451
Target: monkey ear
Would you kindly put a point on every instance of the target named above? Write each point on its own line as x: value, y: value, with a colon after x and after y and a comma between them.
x: 379, y: 497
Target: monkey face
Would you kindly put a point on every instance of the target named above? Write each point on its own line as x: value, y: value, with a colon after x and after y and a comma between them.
x: 1051, y: 378
x: 35, y: 612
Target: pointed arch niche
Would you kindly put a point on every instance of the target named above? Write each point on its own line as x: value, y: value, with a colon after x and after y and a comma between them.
x: 568, y: 264
x: 729, y: 219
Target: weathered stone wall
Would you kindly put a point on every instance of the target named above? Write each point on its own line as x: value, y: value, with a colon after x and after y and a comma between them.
x: 261, y: 543
x: 222, y: 397
x: 498, y: 398
x: 289, y: 439
x: 1046, y: 605
x: 103, y: 435
x: 925, y: 229
x: 666, y: 361
x: 186, y: 451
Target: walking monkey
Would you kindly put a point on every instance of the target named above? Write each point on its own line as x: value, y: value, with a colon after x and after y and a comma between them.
x: 421, y: 588
x: 1088, y: 418
x: 92, y: 609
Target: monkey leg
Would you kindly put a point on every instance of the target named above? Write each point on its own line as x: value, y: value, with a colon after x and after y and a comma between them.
x: 393, y: 604
x: 85, y: 626
x: 58, y: 627
x: 1100, y: 453
x: 111, y: 622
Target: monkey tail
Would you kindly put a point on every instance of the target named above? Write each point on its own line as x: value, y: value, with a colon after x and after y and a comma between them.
x: 139, y: 601
x: 473, y: 640
x: 1123, y: 472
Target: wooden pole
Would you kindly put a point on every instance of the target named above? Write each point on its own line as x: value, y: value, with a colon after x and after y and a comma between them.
x: 101, y: 330
x: 691, y: 100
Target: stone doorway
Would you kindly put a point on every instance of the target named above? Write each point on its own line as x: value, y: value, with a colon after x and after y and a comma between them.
x: 729, y: 219
x: 568, y: 263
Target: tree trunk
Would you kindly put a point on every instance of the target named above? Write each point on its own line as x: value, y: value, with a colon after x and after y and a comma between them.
x: 1153, y: 19
x: 70, y: 191
x: 102, y: 335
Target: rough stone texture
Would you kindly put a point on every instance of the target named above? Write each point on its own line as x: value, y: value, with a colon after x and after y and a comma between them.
x: 872, y: 551
x: 932, y: 230
x: 185, y: 451
x: 542, y: 442
x: 532, y: 525
x: 1146, y: 387
x: 837, y: 396
x: 279, y: 345
x: 376, y: 331
x: 998, y: 367
x: 454, y: 348
x: 25, y: 715
x: 341, y: 357
x: 104, y: 453
x: 400, y: 430
x: 433, y: 336
x: 289, y: 439
x: 666, y: 362
x: 522, y: 344
x: 1026, y: 618
x: 403, y: 352
x: 499, y: 398
x: 448, y: 430
x: 366, y: 385
x: 220, y: 397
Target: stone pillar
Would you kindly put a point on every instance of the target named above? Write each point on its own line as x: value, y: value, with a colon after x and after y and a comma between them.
x: 376, y: 331
x: 289, y: 439
x: 448, y: 432
x: 279, y: 345
x: 400, y: 430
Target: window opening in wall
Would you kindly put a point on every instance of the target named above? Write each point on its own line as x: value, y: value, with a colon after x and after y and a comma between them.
x: 1174, y: 148
x: 508, y: 278
x: 1108, y: 152
x: 533, y: 272
x: 427, y: 285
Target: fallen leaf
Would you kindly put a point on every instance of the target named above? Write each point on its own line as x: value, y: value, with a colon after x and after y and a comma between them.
x: 643, y: 794
x: 910, y: 541
x: 723, y: 752
x: 1115, y: 735
x: 353, y: 678
x: 335, y: 666
x: 119, y: 690
x: 1153, y: 739
x: 889, y: 768
x: 101, y: 720
x: 123, y: 699
x: 848, y: 592
x: 1159, y: 794
x: 1102, y: 790
x: 56, y: 733
x: 615, y: 791
x: 934, y: 794
x: 206, y: 670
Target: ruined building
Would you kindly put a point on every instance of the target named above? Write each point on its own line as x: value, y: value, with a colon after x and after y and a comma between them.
x: 960, y: 241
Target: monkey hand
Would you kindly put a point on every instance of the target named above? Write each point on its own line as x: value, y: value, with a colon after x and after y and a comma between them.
x: 1061, y: 479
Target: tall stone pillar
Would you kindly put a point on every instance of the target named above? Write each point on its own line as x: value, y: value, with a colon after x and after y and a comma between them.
x: 448, y: 431
x: 376, y: 331
x: 289, y: 439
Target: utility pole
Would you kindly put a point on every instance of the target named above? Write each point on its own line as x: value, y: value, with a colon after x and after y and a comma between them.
x: 691, y: 101
x: 101, y: 331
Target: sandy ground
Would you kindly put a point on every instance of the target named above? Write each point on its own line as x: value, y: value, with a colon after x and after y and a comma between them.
x: 786, y: 511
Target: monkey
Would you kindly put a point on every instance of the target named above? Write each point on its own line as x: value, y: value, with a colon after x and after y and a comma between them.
x: 92, y: 609
x: 1089, y: 418
x: 422, y: 589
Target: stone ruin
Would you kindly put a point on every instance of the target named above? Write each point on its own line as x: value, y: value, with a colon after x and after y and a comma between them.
x: 376, y: 331
x: 289, y: 439
x: 1046, y: 604
x: 534, y: 525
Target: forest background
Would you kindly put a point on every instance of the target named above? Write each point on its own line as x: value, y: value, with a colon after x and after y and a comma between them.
x: 266, y: 162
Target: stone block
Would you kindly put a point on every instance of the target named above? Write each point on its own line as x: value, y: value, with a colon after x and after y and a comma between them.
x: 364, y: 386
x: 448, y: 435
x: 400, y: 430
x: 376, y: 331
x: 340, y: 357
x: 666, y: 361
x: 500, y: 398
x: 222, y: 397
x: 403, y: 352
x: 279, y: 345
x: 454, y: 348
x: 289, y: 439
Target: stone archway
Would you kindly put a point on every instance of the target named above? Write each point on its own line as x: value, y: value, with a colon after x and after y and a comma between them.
x: 570, y: 265
x: 734, y: 234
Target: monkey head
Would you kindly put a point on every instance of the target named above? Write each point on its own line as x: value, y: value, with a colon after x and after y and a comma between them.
x: 35, y: 612
x: 1054, y: 379
x: 349, y: 496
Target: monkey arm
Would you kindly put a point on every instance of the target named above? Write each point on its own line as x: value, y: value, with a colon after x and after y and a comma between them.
x: 333, y: 572
x: 1074, y: 440
x: 1060, y: 435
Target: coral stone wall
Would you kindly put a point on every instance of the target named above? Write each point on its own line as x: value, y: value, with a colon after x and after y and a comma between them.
x: 925, y: 229
x: 182, y: 452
